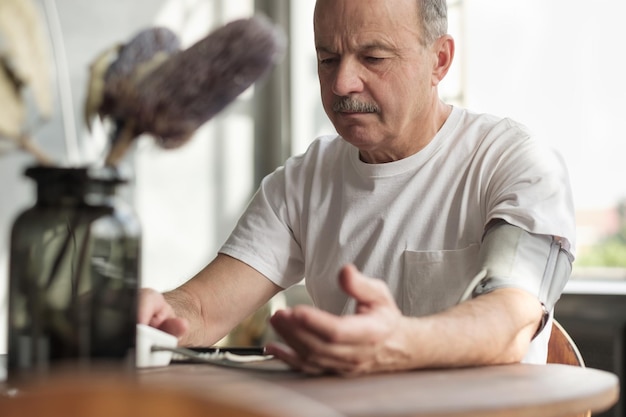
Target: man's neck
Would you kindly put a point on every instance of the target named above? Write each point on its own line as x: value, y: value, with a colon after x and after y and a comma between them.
x: 414, y: 142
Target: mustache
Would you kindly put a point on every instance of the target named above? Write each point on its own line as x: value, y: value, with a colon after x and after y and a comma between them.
x: 347, y: 104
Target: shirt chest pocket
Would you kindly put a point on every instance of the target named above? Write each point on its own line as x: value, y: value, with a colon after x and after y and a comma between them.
x: 435, y: 280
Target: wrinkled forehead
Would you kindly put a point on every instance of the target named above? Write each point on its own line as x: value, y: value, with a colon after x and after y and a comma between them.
x: 351, y: 20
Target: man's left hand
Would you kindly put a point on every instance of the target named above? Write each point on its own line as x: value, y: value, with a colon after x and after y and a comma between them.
x: 371, y: 340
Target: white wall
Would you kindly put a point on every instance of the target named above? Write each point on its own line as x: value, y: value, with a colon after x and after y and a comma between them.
x: 557, y: 66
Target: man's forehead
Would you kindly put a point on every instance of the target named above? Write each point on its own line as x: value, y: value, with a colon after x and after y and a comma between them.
x: 356, y: 8
x: 362, y: 29
x: 353, y: 17
x: 356, y: 43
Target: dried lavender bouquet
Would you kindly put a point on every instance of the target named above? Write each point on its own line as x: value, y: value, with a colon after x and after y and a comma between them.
x: 154, y: 87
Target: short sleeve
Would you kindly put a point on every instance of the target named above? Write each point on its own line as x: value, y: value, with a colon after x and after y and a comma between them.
x: 263, y: 237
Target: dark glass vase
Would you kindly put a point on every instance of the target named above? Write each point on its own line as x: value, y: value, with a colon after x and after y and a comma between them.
x: 73, y: 274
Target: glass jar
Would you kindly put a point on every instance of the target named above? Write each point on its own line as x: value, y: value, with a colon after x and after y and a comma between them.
x: 73, y: 274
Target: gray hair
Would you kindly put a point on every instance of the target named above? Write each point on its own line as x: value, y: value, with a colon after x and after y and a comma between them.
x: 433, y: 15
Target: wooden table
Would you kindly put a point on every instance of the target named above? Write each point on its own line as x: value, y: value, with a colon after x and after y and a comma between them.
x: 512, y: 390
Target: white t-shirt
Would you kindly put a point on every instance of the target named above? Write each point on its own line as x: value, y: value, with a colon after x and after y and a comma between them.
x: 415, y: 223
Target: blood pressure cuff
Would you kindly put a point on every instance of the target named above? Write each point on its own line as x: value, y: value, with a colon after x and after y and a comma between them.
x: 511, y: 257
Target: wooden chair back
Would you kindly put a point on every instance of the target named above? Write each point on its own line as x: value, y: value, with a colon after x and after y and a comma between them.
x: 563, y: 350
x: 561, y: 347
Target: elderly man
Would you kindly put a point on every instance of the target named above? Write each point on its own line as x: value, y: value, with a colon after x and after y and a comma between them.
x: 429, y: 236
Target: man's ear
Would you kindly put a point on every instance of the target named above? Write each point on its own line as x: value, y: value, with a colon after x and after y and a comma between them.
x: 443, y: 48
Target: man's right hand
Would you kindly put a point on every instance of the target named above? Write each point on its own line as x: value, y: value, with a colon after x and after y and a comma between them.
x: 156, y: 312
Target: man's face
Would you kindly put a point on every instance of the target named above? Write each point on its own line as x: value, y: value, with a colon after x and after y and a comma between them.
x: 376, y: 77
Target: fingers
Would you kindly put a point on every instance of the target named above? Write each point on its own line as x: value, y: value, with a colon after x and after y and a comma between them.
x: 315, y: 354
x: 351, y: 329
x: 375, y: 311
x: 368, y: 292
x: 156, y: 312
x: 291, y: 358
x: 151, y: 303
x: 175, y: 326
x: 320, y: 342
x: 315, y: 361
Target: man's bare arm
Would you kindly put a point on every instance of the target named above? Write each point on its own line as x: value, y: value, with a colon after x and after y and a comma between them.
x: 494, y: 328
x: 211, y: 303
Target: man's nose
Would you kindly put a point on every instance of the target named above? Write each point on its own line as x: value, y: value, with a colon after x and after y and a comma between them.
x: 347, y: 78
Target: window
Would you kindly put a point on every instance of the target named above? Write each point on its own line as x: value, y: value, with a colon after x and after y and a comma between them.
x: 555, y: 67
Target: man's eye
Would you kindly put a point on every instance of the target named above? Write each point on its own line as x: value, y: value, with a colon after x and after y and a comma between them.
x: 374, y: 59
x: 327, y: 61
